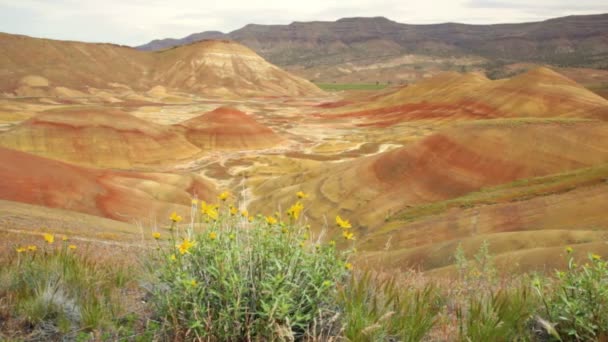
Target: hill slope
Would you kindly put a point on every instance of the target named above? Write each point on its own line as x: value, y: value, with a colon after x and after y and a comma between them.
x: 98, y: 137
x: 123, y: 196
x: 32, y: 66
x: 540, y: 92
x: 444, y: 165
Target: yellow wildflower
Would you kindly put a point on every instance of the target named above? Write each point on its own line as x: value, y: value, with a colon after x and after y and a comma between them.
x: 175, y: 218
x: 212, y: 236
x: 32, y: 248
x: 224, y: 196
x: 348, y: 266
x: 49, y: 238
x: 72, y: 247
x: 172, y: 257
x: 245, y: 213
x: 233, y: 210
x: 569, y: 249
x: 64, y: 238
x: 210, y: 210
x: 348, y: 236
x: 301, y: 194
x: 192, y: 283
x: 332, y: 243
x: 195, y: 202
x: 271, y: 220
x: 284, y: 230
x: 156, y: 235
x: 21, y: 249
x: 295, y: 210
x: 185, y: 246
x: 302, y: 244
x: 250, y: 219
x: 595, y: 256
x: 344, y: 224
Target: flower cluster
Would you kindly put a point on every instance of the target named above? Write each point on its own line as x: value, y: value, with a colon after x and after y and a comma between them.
x: 49, y: 239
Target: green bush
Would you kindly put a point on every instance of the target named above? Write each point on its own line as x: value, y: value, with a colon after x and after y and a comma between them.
x: 577, y: 303
x: 231, y: 277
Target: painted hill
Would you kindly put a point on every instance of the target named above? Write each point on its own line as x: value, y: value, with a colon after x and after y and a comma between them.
x: 225, y: 67
x: 44, y: 67
x: 527, y: 223
x: 572, y: 40
x: 442, y: 166
x: 540, y: 92
x: 228, y: 128
x: 99, y: 137
x: 123, y: 196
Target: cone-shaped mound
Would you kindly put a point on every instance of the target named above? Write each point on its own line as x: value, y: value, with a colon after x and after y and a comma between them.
x: 122, y: 196
x: 225, y: 67
x: 99, y: 137
x: 230, y: 129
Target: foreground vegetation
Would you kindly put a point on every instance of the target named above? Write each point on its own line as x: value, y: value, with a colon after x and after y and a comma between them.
x: 230, y: 276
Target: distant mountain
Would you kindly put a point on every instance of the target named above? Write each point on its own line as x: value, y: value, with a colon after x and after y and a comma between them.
x: 568, y: 41
x: 161, y: 44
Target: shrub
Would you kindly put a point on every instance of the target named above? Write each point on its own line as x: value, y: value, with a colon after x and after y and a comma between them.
x: 232, y: 277
x: 478, y: 272
x: 577, y: 303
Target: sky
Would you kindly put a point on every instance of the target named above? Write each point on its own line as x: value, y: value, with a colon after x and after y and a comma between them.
x: 136, y: 22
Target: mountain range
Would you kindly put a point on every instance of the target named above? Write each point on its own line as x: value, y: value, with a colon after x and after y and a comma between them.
x: 576, y: 41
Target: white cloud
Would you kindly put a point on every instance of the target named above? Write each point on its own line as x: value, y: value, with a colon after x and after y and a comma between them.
x: 135, y: 22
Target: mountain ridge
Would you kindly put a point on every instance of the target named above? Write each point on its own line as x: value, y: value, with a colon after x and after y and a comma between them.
x: 577, y: 40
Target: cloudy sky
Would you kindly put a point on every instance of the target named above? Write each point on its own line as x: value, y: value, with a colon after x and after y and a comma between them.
x: 134, y: 22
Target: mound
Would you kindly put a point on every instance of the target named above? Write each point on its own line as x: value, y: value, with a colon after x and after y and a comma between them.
x: 99, y: 137
x: 540, y: 92
x: 228, y: 128
x: 123, y: 196
x: 29, y: 66
x: 442, y: 166
x: 224, y: 67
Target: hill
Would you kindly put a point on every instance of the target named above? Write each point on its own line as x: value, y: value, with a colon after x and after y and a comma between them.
x: 44, y: 67
x: 228, y: 128
x: 444, y: 165
x: 540, y: 92
x: 119, y: 195
x: 100, y: 137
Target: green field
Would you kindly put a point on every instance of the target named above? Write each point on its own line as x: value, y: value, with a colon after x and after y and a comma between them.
x: 350, y: 86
